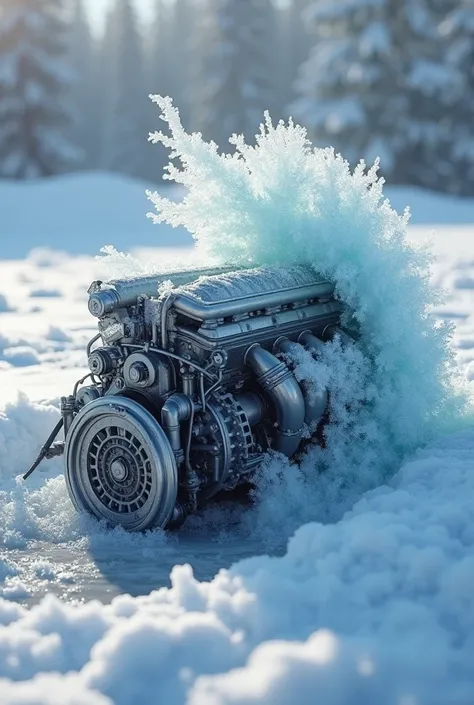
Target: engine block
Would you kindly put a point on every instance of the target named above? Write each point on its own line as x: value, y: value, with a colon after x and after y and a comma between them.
x: 191, y: 384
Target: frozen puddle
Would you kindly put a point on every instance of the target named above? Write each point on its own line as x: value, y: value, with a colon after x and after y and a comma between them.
x: 74, y: 572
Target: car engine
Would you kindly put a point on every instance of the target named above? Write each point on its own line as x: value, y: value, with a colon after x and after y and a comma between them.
x: 190, y: 385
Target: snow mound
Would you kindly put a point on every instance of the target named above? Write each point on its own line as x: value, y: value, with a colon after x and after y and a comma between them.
x: 21, y: 356
x: 376, y: 608
x: 26, y: 507
x: 4, y: 305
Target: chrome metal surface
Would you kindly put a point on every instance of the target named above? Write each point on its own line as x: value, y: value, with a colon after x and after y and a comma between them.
x: 315, y: 397
x: 252, y: 290
x: 160, y: 430
x: 311, y: 342
x: 279, y: 384
x: 331, y: 332
x: 120, y: 466
x: 175, y: 410
x: 121, y: 293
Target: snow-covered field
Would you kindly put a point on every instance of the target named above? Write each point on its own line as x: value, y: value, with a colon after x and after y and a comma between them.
x: 376, y: 606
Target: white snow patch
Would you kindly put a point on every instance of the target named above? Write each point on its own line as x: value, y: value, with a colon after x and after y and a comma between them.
x: 112, y: 210
x: 21, y: 356
x: 4, y: 305
x: 58, y: 335
x: 45, y: 293
x: 14, y: 589
x: 377, y: 607
x: 43, y: 570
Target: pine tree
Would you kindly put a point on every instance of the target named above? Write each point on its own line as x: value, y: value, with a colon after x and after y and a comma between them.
x: 182, y: 53
x: 33, y: 84
x: 434, y: 91
x: 84, y: 89
x: 159, y: 79
x: 159, y: 45
x: 458, y: 29
x: 124, y: 101
x: 376, y: 84
x: 234, y: 87
x: 299, y: 39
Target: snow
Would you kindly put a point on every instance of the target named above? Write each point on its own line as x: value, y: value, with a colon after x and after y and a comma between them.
x: 377, y: 607
x: 431, y: 78
x: 4, y: 305
x: 375, y: 40
x: 108, y: 208
x: 369, y: 605
x: 338, y: 115
x: 282, y: 202
x: 21, y: 356
x: 79, y: 213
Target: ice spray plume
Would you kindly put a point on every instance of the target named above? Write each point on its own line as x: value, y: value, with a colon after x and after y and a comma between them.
x: 283, y: 201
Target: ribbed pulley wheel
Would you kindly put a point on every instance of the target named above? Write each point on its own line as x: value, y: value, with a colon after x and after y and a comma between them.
x: 120, y: 466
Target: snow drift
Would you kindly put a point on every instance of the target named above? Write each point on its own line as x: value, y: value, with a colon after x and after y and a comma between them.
x: 376, y: 608
x: 112, y: 210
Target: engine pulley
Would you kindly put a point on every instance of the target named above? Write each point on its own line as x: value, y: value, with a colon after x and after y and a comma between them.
x: 103, y: 361
x: 120, y: 466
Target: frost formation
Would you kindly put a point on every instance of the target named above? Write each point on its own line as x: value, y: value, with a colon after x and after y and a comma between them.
x: 280, y: 201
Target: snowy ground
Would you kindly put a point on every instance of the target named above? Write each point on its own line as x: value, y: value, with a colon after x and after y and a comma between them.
x: 392, y: 579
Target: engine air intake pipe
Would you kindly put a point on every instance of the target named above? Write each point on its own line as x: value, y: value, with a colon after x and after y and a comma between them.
x: 315, y: 399
x: 279, y: 384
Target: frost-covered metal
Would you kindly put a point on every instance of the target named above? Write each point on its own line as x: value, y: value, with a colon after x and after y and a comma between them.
x: 190, y: 385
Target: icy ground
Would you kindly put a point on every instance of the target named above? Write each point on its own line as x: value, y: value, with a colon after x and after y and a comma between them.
x: 392, y: 579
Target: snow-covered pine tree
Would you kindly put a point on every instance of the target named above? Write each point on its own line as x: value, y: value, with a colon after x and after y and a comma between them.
x: 124, y: 102
x: 434, y: 90
x: 159, y: 75
x: 235, y: 83
x: 300, y: 39
x: 184, y: 14
x: 84, y: 59
x: 159, y: 42
x: 348, y: 86
x: 33, y: 83
x: 458, y: 29
x: 376, y: 84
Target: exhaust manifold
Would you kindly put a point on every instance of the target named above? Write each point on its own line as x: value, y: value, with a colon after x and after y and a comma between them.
x: 279, y: 383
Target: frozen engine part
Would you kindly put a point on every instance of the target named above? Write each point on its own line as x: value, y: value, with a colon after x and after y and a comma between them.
x: 191, y: 383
